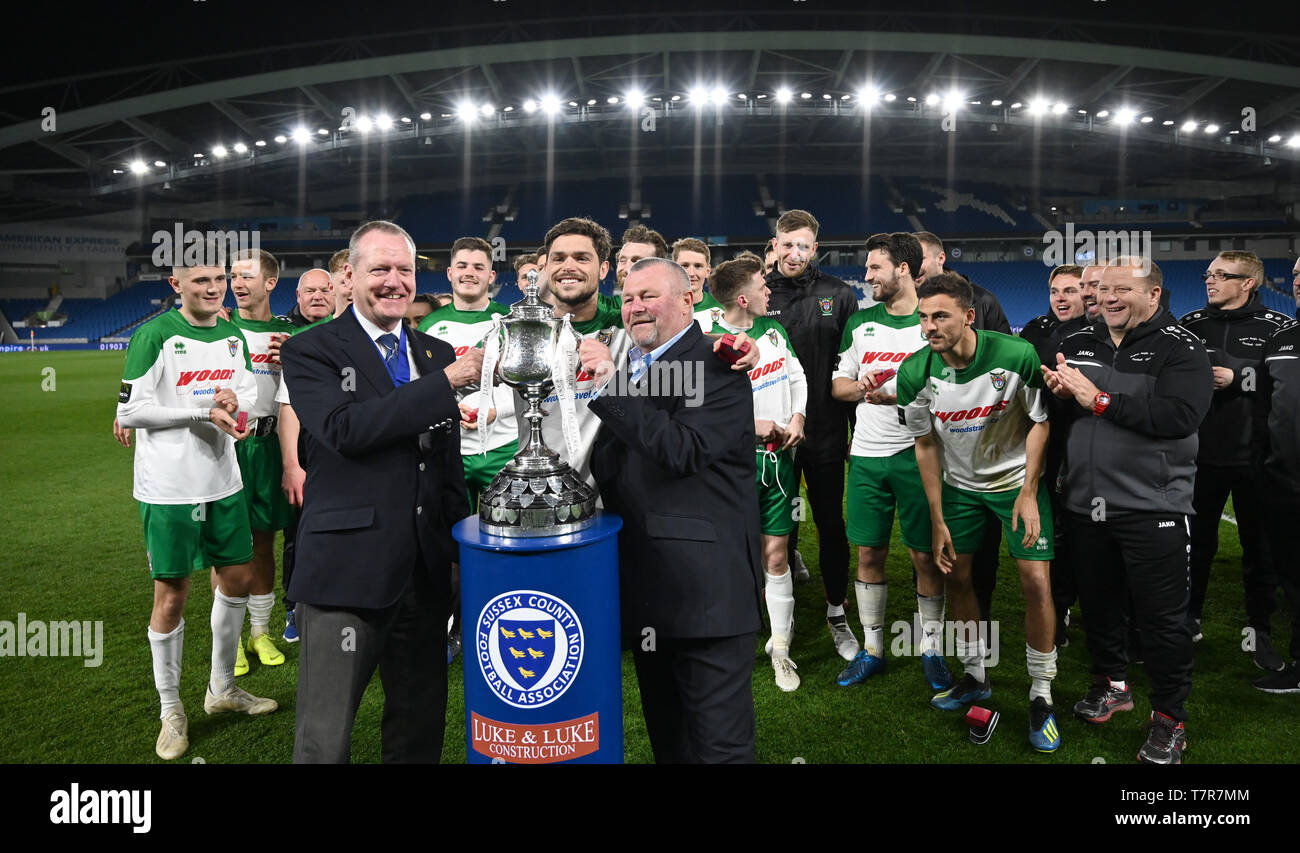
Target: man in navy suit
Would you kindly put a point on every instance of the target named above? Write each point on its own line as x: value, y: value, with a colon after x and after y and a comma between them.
x: 384, y: 486
x: 674, y: 457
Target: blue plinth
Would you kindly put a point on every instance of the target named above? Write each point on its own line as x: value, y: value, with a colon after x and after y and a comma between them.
x: 542, y: 662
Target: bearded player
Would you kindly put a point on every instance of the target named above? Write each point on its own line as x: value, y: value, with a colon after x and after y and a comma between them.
x: 882, y: 459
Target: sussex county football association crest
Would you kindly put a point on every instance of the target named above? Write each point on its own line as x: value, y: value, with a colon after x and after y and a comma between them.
x: 605, y: 336
x: 715, y: 314
x: 826, y: 302
x: 233, y: 345
x: 772, y: 336
x: 529, y: 647
x: 999, y: 379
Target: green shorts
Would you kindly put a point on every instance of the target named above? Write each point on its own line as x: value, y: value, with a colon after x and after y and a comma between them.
x: 481, y: 468
x: 184, y: 538
x: 261, y: 469
x: 966, y: 512
x: 777, y: 489
x: 876, y: 485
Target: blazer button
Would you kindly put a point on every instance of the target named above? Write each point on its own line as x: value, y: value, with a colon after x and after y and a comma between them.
x: 421, y: 466
x: 419, y: 509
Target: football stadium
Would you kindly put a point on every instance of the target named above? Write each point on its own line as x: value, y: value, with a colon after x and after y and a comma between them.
x: 1008, y: 292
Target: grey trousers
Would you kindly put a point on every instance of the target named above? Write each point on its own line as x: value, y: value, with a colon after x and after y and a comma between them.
x: 340, y: 649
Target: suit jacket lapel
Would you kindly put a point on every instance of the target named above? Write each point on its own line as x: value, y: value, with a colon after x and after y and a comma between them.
x: 365, y: 357
x: 422, y: 353
x: 684, y: 343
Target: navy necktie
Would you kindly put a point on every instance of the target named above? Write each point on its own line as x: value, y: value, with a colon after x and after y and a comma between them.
x: 389, y: 343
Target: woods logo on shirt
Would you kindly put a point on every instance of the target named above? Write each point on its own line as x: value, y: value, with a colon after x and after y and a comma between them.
x: 884, y: 357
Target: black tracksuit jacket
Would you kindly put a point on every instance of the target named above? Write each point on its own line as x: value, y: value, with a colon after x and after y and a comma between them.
x: 1233, y: 339
x: 1046, y: 333
x: 814, y: 309
x: 1277, y: 409
x: 1139, y: 455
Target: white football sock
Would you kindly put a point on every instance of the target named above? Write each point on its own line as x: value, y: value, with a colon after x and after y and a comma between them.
x: 871, y: 611
x: 1042, y: 669
x: 259, y: 612
x: 227, y: 622
x: 836, y: 610
x: 780, y: 609
x: 166, y: 651
x: 971, y: 656
x: 931, y: 609
x: 1119, y: 685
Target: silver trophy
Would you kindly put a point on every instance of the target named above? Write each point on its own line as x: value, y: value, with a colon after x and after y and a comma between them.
x: 537, y: 493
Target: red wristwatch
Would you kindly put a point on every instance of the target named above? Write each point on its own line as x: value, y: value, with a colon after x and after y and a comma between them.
x: 1100, y: 402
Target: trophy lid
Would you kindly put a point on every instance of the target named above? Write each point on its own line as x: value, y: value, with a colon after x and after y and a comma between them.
x: 530, y: 307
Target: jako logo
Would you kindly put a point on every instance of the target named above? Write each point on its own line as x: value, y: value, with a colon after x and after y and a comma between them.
x: 759, y: 372
x: 188, y: 376
x: 93, y: 806
x: 971, y: 414
x: 885, y: 357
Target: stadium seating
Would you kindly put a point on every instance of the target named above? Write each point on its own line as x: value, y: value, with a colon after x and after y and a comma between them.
x: 93, y: 319
x: 16, y: 309
x: 968, y: 209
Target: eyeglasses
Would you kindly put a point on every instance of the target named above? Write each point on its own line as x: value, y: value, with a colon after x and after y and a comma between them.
x: 1219, y: 275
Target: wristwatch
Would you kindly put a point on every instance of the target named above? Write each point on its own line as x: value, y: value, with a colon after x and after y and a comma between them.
x: 1100, y: 402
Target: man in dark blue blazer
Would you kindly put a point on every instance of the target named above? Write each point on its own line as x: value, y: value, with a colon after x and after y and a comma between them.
x: 384, y: 485
x: 674, y: 457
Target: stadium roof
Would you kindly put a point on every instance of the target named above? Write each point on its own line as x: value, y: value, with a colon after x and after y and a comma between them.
x: 1112, y: 102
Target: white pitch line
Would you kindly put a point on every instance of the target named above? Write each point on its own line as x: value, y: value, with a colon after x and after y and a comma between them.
x: 1229, y: 519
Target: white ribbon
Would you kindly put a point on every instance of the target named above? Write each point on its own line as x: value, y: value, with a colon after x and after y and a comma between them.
x: 564, y: 369
x: 491, y: 352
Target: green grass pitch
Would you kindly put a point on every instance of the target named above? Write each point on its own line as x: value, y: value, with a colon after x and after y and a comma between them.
x: 71, y: 549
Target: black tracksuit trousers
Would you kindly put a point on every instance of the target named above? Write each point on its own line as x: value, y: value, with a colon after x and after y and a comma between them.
x: 1143, y: 556
x: 826, y: 494
x: 1213, y: 483
x: 1282, y: 510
